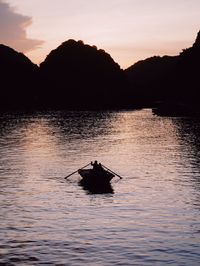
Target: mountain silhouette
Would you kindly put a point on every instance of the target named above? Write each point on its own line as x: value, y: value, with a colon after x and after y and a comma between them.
x: 18, y: 79
x: 151, y: 79
x: 173, y: 81
x: 79, y: 76
x: 188, y: 72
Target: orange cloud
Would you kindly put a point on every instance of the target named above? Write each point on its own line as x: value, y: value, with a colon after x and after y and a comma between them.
x: 13, y: 29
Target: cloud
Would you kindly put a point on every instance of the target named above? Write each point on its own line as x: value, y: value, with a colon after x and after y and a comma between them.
x: 13, y: 29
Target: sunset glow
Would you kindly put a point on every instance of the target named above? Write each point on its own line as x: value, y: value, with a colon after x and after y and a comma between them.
x: 129, y: 30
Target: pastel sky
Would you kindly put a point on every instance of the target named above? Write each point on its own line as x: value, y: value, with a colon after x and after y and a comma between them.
x: 129, y: 30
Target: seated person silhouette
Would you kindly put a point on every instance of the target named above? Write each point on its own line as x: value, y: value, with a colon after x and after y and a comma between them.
x: 97, y: 166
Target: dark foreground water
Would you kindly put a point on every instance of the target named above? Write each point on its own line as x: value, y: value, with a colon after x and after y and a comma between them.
x: 153, y: 216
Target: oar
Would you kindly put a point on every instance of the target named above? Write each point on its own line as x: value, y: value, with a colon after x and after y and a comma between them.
x: 112, y: 171
x: 77, y: 171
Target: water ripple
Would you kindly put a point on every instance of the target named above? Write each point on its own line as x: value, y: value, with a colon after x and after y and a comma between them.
x: 152, y: 216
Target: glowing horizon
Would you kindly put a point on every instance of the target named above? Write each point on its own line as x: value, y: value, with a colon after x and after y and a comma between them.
x: 129, y: 30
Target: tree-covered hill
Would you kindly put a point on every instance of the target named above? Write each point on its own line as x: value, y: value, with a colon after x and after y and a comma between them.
x: 76, y: 75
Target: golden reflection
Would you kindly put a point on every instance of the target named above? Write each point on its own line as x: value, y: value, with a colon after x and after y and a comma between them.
x: 136, y: 147
x: 39, y: 145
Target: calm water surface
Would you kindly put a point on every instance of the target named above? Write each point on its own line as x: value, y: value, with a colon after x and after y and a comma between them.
x: 152, y: 218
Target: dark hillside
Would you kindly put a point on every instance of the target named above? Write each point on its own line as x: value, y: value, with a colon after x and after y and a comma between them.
x: 76, y: 75
x: 151, y: 79
x: 171, y: 80
x: 18, y: 80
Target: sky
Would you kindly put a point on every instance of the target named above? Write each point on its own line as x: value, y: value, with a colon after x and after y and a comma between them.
x: 129, y: 30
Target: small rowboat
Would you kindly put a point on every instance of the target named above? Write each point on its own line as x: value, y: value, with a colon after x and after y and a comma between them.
x: 95, y: 177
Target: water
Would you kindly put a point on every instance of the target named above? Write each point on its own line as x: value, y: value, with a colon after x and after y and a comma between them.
x: 152, y: 218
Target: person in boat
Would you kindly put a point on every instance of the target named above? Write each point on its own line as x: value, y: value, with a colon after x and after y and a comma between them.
x: 97, y: 166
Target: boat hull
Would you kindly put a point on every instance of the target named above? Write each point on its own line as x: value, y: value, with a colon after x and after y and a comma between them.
x: 89, y: 176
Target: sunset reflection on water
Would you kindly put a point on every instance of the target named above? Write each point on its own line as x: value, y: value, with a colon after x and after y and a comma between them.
x: 152, y: 217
